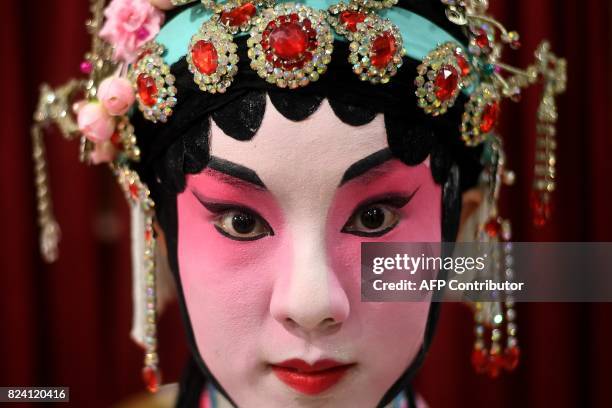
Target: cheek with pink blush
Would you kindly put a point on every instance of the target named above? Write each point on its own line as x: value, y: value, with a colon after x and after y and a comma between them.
x: 420, y: 221
x: 227, y: 284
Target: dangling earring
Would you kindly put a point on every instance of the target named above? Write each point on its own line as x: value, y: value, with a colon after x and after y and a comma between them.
x: 494, y: 316
x: 144, y: 329
x: 151, y: 373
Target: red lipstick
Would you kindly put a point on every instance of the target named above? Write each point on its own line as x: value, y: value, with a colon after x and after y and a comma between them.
x: 310, y: 379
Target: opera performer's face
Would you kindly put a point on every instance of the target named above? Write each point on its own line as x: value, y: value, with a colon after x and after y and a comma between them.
x: 269, y: 241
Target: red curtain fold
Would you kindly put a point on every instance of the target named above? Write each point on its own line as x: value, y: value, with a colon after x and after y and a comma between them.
x: 68, y: 324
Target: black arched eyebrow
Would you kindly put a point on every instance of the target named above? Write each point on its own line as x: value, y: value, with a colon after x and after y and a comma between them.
x: 235, y: 170
x: 362, y: 166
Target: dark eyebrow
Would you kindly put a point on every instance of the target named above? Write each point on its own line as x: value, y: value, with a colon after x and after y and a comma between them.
x: 235, y: 170
x: 362, y: 166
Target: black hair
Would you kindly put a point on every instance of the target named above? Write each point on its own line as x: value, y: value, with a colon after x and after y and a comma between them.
x: 181, y: 146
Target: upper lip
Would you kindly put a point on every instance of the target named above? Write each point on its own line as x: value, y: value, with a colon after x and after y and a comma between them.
x: 304, y: 367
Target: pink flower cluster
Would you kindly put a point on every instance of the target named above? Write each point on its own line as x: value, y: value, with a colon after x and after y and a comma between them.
x: 96, y: 120
x: 129, y: 25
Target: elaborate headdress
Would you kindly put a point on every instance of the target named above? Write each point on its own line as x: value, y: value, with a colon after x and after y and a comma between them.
x: 291, y: 45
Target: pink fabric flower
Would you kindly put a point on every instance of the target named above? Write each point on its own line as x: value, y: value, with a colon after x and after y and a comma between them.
x: 117, y: 95
x: 95, y: 122
x: 129, y: 25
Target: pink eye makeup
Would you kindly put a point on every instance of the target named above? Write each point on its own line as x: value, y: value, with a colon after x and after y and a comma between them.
x: 237, y: 222
x: 377, y: 216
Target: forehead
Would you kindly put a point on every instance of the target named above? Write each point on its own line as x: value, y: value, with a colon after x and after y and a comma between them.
x: 313, y: 152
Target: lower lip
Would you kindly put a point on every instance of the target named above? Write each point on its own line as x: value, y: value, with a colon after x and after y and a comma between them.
x: 311, y: 383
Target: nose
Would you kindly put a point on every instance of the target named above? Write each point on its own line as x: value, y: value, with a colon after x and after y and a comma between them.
x: 309, y: 298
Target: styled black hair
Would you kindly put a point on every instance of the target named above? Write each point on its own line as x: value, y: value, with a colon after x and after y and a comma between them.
x: 171, y: 151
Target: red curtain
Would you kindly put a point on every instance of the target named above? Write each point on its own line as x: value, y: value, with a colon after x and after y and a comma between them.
x: 67, y: 324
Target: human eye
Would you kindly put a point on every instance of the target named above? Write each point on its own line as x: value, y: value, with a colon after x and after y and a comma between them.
x: 376, y: 217
x: 238, y: 223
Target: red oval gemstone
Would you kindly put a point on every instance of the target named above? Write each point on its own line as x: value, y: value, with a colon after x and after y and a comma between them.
x: 511, y: 358
x: 480, y: 358
x: 134, y: 192
x: 205, y: 57
x: 383, y: 49
x: 148, y: 235
x: 463, y: 64
x: 351, y: 18
x: 238, y: 15
x: 482, y: 40
x: 147, y: 90
x: 288, y: 41
x: 489, y: 117
x: 116, y: 140
x: 542, y: 209
x: 446, y: 82
x: 494, y: 365
x: 492, y: 227
x: 151, y: 378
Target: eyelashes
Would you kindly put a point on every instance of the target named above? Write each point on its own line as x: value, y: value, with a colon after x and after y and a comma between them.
x: 373, y: 218
x: 237, y: 222
x: 378, y: 216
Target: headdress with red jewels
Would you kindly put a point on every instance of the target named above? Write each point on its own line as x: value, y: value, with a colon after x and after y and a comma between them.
x: 290, y: 45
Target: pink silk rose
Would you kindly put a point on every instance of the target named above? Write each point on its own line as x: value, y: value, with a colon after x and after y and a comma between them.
x: 129, y: 25
x: 95, y: 122
x: 117, y: 95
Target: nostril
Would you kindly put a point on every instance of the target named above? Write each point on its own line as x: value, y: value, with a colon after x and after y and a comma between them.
x: 289, y: 322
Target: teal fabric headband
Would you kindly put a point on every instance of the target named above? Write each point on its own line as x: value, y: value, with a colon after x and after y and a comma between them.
x: 420, y: 35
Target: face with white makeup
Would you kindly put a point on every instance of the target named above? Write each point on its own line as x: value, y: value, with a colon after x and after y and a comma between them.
x: 268, y: 254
